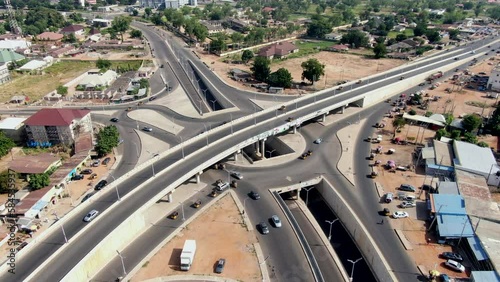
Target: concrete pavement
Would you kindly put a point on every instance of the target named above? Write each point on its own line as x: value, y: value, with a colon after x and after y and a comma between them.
x: 149, y: 146
x: 153, y: 118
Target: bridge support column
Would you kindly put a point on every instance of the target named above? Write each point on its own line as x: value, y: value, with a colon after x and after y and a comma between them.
x: 294, y: 129
x: 323, y: 118
x: 169, y: 197
x: 263, y: 148
x: 257, y: 147
x: 342, y: 109
x: 198, y: 177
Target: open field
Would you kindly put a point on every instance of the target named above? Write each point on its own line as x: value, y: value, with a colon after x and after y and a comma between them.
x: 37, y: 86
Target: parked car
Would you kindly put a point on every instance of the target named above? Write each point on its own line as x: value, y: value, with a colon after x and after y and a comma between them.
x: 114, y: 119
x: 96, y: 163
x: 152, y: 98
x: 386, y: 212
x: 77, y: 177
x: 21, y: 246
x: 254, y: 195
x: 400, y: 214
x: 444, y: 277
x: 452, y: 256
x: 276, y: 221
x: 86, y: 171
x: 406, y: 204
x: 454, y: 265
x: 318, y: 141
x: 236, y: 175
x: 221, y: 186
x: 263, y: 227
x: 407, y: 187
x: 91, y: 215
x: 106, y: 161
x: 148, y: 129
x: 101, y: 184
x: 220, y: 265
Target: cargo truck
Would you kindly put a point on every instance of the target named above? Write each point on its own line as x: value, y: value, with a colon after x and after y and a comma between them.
x: 436, y: 75
x: 187, y: 255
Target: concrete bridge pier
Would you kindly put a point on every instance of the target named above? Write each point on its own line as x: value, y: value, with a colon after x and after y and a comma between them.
x: 198, y: 177
x: 169, y: 197
x: 342, y: 109
x: 294, y: 129
x: 236, y: 155
x: 263, y: 147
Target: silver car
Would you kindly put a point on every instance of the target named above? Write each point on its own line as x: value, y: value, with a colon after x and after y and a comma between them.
x: 91, y: 215
x: 236, y: 175
x: 276, y: 221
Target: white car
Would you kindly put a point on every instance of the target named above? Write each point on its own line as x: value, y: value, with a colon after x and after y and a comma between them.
x: 276, y: 221
x: 221, y: 186
x: 236, y: 175
x: 148, y: 129
x: 455, y: 265
x: 400, y: 214
x: 91, y: 215
x: 318, y: 141
x: 407, y: 205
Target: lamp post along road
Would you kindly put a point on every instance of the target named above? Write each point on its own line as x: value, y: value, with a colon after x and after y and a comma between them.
x: 331, y: 224
x: 352, y: 269
x: 182, y: 209
x: 116, y: 187
x: 123, y: 263
x: 307, y: 194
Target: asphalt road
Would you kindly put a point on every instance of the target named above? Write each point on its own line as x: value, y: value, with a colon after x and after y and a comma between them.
x: 78, y: 248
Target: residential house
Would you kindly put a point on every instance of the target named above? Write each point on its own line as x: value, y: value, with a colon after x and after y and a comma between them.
x: 333, y: 36
x: 121, y: 86
x: 411, y: 42
x: 10, y: 36
x: 4, y: 73
x: 50, y: 38
x: 57, y: 126
x: 14, y: 45
x: 36, y: 65
x: 438, y: 12
x: 26, y: 165
x: 10, y: 56
x: 75, y: 29
x: 238, y: 25
x: 61, y: 52
x: 213, y: 26
x: 101, y: 23
x: 97, y: 81
x: 339, y: 48
x: 13, y: 127
x: 399, y: 28
x: 494, y: 79
x: 398, y: 47
x: 278, y: 50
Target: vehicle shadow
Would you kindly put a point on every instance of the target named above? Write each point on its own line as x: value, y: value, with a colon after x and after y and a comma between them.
x: 174, y: 261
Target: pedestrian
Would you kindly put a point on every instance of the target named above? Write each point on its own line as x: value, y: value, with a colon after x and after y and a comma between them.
x: 382, y: 221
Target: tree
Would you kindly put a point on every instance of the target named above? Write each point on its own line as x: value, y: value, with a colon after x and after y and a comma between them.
x: 148, y: 12
x: 433, y: 35
x: 480, y: 144
x: 261, y: 69
x: 135, y: 33
x: 400, y: 37
x: 355, y: 38
x: 135, y: 13
x: 70, y: 38
x: 494, y: 12
x: 318, y: 27
x: 440, y: 133
x: 6, y: 144
x: 380, y: 51
x: 420, y: 29
x: 455, y: 134
x: 62, y: 90
x: 38, y: 181
x: 312, y: 70
x: 470, y: 138
x: 103, y: 64
x: 471, y: 122
x: 246, y: 56
x: 217, y: 45
x: 398, y: 123
x: 281, y: 78
x: 200, y: 32
x: 121, y: 24
x: 454, y: 33
x: 107, y: 139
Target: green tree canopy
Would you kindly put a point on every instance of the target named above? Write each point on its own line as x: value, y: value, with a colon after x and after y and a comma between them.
x: 103, y: 64
x: 470, y: 138
x: 121, y: 24
x: 380, y: 51
x: 246, y: 56
x: 281, y: 78
x: 38, y: 181
x: 355, y: 38
x: 135, y: 33
x: 312, y: 70
x: 6, y: 144
x: 398, y: 123
x: 107, y: 139
x: 62, y: 90
x: 471, y: 122
x: 218, y: 45
x: 261, y: 69
x: 494, y: 12
x: 319, y: 27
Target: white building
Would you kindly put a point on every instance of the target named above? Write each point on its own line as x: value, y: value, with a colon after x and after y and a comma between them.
x: 13, y: 45
x: 173, y: 4
x: 474, y: 159
x: 4, y: 73
x: 13, y: 127
x: 494, y: 80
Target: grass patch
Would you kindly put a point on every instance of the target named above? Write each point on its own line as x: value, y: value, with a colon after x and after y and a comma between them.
x: 478, y: 104
x: 309, y: 47
x: 408, y: 32
x: 37, y: 86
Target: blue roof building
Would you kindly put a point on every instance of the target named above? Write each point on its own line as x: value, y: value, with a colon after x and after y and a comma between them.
x: 451, y: 217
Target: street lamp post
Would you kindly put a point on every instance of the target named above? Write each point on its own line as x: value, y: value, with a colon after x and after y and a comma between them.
x: 353, y: 264
x: 136, y: 148
x: 206, y: 132
x: 231, y: 116
x: 123, y: 264
x: 182, y: 146
x: 244, y: 204
x: 213, y: 104
x: 331, y: 224
x: 271, y: 153
x: 182, y: 209
x: 307, y: 194
x: 116, y: 187
x: 64, y: 233
x: 154, y: 155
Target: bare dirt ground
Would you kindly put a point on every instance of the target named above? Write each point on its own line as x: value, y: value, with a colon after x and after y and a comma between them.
x: 114, y: 56
x: 219, y: 233
x: 338, y: 67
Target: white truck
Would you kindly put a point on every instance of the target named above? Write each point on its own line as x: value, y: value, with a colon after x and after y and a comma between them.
x: 187, y: 255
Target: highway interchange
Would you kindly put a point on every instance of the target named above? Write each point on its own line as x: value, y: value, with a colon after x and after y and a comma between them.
x: 290, y: 266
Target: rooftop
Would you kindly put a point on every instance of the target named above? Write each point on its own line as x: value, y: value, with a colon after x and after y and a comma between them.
x: 33, y: 164
x: 55, y: 117
x: 444, y: 153
x: 447, y: 204
x: 72, y: 28
x: 11, y: 123
x: 50, y: 36
x: 473, y: 158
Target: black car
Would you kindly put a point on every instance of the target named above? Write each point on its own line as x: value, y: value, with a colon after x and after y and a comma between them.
x: 86, y: 171
x: 101, y: 185
x: 152, y: 98
x: 106, y: 161
x: 263, y: 228
x: 452, y: 256
x: 220, y: 265
x: 21, y: 246
x: 77, y: 177
x: 254, y: 195
x: 114, y: 120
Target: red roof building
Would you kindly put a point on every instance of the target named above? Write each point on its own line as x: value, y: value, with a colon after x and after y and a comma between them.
x: 57, y: 126
x: 34, y: 164
x: 339, y: 48
x: 278, y: 50
x: 49, y: 36
x: 75, y: 29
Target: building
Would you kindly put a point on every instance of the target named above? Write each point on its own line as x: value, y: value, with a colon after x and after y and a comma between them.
x: 450, y: 218
x: 50, y: 37
x: 101, y: 23
x: 75, y: 29
x: 339, y: 48
x: 57, y: 126
x: 95, y: 81
x: 36, y: 65
x: 494, y: 79
x: 151, y: 3
x: 166, y: 4
x: 213, y: 26
x: 10, y: 56
x: 333, y: 36
x: 438, y: 159
x: 4, y: 73
x: 278, y: 50
x: 477, y: 160
x: 238, y: 25
x: 13, y: 127
x: 13, y: 45
x: 26, y: 165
